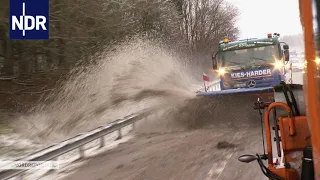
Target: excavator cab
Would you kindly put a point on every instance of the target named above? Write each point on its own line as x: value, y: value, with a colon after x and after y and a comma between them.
x: 292, y: 121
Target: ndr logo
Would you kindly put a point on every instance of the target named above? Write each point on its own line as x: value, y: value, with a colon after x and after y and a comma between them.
x: 29, y: 19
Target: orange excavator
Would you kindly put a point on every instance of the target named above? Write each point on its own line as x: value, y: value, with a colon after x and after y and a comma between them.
x: 293, y: 133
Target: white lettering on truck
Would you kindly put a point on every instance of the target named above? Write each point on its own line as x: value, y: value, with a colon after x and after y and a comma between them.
x: 264, y: 72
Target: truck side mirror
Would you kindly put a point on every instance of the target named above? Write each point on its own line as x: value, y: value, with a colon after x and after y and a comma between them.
x: 286, y: 55
x: 286, y: 52
x: 214, y: 61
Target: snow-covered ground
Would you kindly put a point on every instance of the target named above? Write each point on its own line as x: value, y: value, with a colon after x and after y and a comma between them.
x: 66, y: 162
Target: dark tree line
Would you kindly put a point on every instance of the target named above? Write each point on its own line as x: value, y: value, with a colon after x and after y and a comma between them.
x: 81, y: 28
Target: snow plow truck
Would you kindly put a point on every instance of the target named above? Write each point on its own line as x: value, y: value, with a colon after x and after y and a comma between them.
x: 290, y: 119
x: 250, y: 65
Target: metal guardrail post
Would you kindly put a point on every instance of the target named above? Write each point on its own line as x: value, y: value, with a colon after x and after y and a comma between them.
x: 81, y: 152
x: 54, y: 159
x: 133, y: 125
x: 102, y: 144
x: 119, y: 134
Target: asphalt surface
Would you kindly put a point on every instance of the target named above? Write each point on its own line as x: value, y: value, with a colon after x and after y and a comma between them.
x: 179, y: 155
x: 209, y: 152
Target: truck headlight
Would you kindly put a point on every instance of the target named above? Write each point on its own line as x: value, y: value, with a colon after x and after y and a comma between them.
x: 278, y: 64
x: 221, y: 71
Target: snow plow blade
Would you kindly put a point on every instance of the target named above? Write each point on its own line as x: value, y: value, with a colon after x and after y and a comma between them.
x: 233, y: 107
x: 257, y: 91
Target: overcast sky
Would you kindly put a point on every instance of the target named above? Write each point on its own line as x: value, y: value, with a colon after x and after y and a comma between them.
x: 259, y: 17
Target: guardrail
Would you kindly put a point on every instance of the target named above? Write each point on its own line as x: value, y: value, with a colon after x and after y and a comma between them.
x: 212, y: 86
x: 78, y: 141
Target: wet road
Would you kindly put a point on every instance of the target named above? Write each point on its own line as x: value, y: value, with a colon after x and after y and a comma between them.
x: 179, y: 155
x: 206, y: 153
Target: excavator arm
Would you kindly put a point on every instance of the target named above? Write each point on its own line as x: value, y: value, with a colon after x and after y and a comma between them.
x: 311, y: 79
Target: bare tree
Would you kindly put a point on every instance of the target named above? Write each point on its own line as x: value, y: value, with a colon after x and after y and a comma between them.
x: 80, y: 29
x: 207, y: 22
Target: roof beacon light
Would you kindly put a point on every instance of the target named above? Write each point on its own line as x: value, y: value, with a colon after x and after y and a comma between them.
x: 226, y: 40
x: 276, y: 34
x: 269, y: 35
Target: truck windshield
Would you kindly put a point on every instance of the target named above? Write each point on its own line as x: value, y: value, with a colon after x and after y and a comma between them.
x: 250, y: 57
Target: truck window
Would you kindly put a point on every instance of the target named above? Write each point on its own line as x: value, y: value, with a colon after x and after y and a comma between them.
x: 250, y: 57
